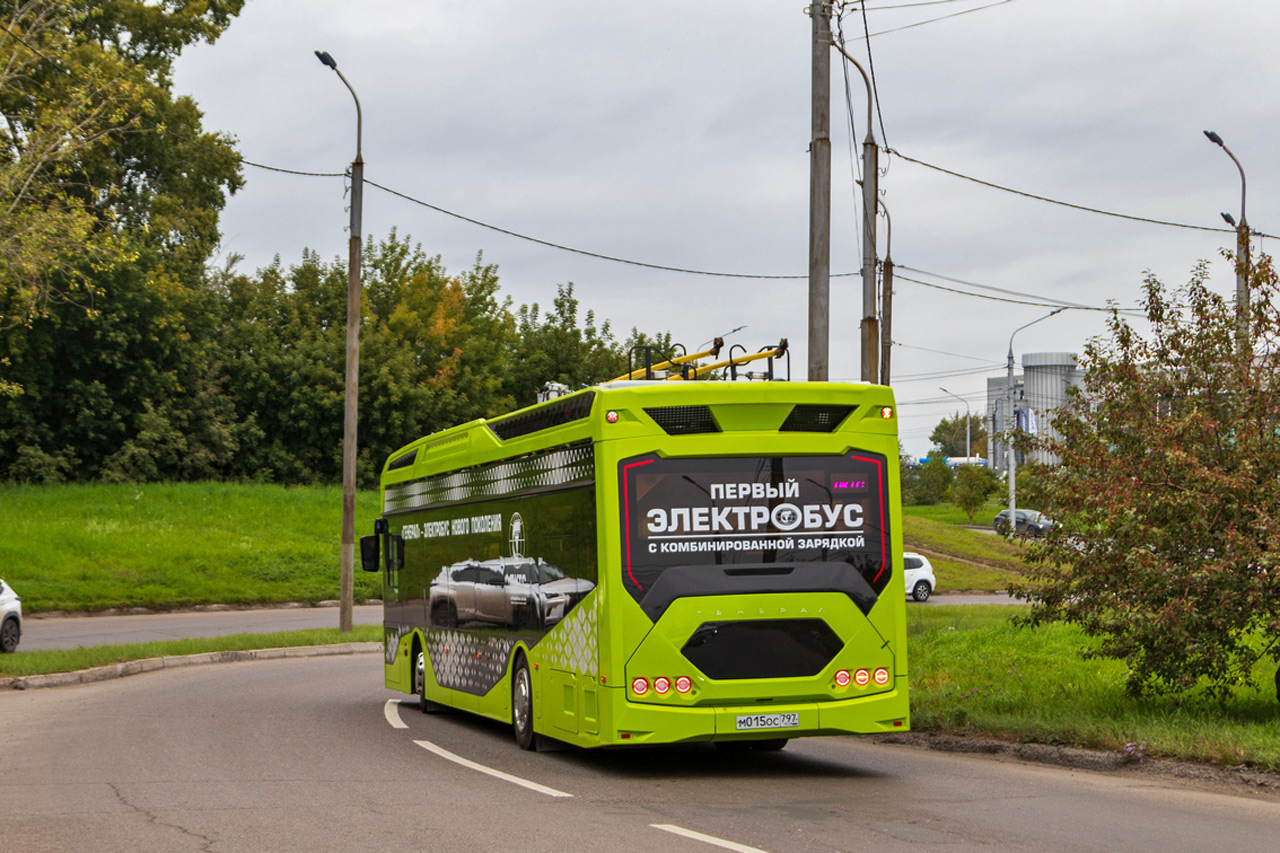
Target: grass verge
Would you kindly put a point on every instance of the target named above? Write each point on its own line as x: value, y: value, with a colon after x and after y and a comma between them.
x: 97, y: 546
x: 975, y: 673
x: 69, y: 660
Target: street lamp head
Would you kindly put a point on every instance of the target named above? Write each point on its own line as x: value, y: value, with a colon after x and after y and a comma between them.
x: 325, y: 58
x: 1231, y: 220
x: 1214, y: 138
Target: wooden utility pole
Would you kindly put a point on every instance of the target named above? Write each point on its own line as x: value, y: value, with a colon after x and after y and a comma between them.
x: 820, y: 195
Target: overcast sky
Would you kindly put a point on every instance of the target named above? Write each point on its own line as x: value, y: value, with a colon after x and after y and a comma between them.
x: 676, y: 133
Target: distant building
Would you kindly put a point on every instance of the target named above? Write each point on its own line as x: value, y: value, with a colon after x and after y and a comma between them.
x: 1039, y: 389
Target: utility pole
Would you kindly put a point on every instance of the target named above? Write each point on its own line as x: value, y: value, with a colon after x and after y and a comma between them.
x: 1242, y: 252
x: 346, y: 585
x: 820, y: 195
x: 870, y: 204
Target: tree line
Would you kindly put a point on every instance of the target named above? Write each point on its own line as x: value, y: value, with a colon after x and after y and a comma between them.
x: 124, y: 356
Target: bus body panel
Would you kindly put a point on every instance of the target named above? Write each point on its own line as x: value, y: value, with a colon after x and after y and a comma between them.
x: 583, y: 632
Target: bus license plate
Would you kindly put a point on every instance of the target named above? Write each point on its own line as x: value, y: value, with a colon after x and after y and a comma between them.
x: 752, y: 722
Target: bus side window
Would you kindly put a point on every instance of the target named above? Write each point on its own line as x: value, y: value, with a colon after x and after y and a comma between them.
x: 395, y: 561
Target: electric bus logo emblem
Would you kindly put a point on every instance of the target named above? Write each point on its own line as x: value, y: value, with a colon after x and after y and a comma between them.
x: 517, y: 535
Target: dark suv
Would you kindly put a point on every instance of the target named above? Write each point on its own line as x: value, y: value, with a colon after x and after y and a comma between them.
x: 1030, y: 522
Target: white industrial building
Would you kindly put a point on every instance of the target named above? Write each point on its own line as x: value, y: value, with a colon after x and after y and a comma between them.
x: 1040, y: 388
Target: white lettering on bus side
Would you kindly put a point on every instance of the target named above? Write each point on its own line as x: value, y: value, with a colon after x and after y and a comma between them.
x: 785, y: 517
x: 745, y: 491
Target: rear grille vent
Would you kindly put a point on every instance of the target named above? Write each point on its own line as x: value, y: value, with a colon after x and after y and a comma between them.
x: 561, y: 411
x: 815, y: 418
x: 684, y: 420
x: 403, y: 461
x: 764, y: 648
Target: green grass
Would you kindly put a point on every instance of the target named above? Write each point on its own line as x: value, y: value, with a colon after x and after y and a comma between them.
x: 70, y: 660
x: 973, y: 672
x: 94, y: 547
x: 952, y: 514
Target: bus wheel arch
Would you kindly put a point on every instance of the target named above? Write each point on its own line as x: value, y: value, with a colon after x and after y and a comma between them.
x: 418, y: 660
x: 522, y: 703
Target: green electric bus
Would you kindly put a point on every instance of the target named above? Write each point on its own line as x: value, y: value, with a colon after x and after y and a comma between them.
x: 653, y: 562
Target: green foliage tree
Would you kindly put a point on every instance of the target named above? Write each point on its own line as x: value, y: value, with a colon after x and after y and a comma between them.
x: 931, y: 481
x: 1168, y: 545
x: 949, y: 436
x: 972, y: 486
x: 111, y: 190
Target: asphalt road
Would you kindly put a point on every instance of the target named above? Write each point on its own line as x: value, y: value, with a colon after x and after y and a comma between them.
x: 69, y: 632
x: 305, y: 754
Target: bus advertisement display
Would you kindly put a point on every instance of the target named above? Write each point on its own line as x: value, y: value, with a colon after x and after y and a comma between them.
x: 738, y: 511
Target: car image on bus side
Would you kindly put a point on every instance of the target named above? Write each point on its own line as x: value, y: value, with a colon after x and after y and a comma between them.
x: 520, y: 593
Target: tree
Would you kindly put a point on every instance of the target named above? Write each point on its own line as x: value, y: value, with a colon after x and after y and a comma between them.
x: 109, y: 198
x: 972, y: 486
x: 931, y: 481
x: 1168, y: 544
x: 949, y: 435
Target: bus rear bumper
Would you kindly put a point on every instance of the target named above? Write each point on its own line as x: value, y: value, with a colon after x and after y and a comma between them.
x: 639, y: 723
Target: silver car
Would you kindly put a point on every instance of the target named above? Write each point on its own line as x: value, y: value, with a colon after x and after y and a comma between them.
x: 10, y: 618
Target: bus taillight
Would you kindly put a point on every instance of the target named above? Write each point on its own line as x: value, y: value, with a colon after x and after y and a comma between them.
x: 661, y: 685
x: 882, y: 676
x: 862, y: 677
x: 640, y: 686
x: 683, y: 684
x: 842, y: 678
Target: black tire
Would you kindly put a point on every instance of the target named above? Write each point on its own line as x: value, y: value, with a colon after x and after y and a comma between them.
x: 522, y: 705
x: 444, y: 615
x: 10, y: 633
x: 921, y: 591
x: 420, y: 686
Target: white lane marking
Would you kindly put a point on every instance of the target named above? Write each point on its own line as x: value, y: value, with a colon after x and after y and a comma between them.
x: 709, y: 839
x: 457, y: 759
x: 392, y: 712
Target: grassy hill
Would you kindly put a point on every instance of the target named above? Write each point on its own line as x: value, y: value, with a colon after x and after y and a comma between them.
x: 95, y: 547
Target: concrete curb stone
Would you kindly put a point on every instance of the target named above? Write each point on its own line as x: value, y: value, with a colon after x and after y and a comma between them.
x: 136, y: 667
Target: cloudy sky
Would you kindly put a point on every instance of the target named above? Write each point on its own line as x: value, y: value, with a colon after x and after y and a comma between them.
x: 676, y: 134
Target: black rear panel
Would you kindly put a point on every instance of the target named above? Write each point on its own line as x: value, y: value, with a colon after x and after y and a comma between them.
x: 765, y: 648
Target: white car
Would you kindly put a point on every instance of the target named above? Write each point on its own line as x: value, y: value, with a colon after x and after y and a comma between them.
x: 10, y: 618
x: 918, y: 572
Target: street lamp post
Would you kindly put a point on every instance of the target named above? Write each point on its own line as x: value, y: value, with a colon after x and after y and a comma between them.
x: 1242, y: 251
x: 968, y: 443
x: 1012, y: 460
x: 351, y: 394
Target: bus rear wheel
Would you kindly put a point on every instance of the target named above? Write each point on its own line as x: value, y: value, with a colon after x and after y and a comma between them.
x: 522, y: 705
x: 420, y: 686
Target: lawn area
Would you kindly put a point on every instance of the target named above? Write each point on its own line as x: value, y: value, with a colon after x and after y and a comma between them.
x: 963, y: 559
x: 97, y: 546
x: 973, y: 672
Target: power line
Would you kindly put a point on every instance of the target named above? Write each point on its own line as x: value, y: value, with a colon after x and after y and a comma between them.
x: 931, y: 20
x: 584, y: 252
x: 1071, y: 205
x: 943, y: 352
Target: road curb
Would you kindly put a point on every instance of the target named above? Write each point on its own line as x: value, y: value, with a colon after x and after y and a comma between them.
x: 137, y: 667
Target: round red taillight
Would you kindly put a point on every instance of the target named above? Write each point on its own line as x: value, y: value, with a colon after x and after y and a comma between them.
x: 882, y: 676
x: 661, y: 684
x: 842, y: 678
x: 640, y: 686
x: 611, y: 417
x: 683, y: 684
x: 886, y: 412
x: 862, y: 677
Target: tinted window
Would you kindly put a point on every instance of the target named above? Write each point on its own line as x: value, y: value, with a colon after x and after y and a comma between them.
x: 754, y: 510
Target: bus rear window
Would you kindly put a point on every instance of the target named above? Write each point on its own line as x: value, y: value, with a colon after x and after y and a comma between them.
x: 759, y: 514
